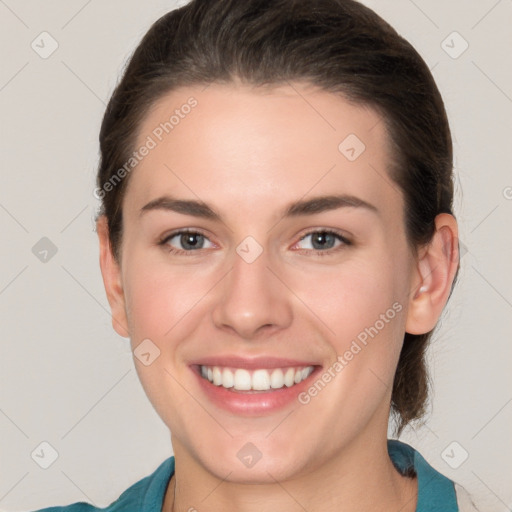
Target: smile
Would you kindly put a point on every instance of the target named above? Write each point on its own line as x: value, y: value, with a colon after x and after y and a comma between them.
x: 241, y: 379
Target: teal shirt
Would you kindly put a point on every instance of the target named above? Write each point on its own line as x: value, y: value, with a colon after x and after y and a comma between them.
x: 436, y: 493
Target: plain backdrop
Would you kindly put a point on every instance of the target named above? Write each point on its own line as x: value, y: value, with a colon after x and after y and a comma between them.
x: 67, y: 379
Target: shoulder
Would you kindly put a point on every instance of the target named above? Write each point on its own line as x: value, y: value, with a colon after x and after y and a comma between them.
x: 146, y: 495
x: 435, y: 491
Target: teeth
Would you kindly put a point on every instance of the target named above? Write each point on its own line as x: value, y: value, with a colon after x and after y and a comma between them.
x: 217, y: 376
x: 228, y: 379
x: 289, y: 377
x: 257, y: 380
x: 277, y: 379
x: 242, y: 380
x: 261, y: 380
x: 306, y: 372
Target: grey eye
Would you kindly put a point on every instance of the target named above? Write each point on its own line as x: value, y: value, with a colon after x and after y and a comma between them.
x: 320, y: 240
x: 188, y: 241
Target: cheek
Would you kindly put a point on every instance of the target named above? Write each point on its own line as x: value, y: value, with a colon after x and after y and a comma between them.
x: 349, y: 298
x: 363, y: 319
x: 161, y: 303
x: 160, y: 296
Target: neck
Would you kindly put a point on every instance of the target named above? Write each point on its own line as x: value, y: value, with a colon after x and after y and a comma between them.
x: 354, y: 479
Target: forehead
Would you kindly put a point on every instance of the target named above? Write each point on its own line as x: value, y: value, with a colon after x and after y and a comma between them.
x: 237, y: 144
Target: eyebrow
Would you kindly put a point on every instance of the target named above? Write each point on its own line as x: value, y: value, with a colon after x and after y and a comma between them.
x: 299, y: 208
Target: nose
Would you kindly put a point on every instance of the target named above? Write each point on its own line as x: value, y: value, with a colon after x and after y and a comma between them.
x: 251, y: 301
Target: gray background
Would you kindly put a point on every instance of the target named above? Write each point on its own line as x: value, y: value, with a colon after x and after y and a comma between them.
x: 67, y: 379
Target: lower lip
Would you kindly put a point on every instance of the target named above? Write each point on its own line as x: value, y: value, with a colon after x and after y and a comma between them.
x: 252, y: 403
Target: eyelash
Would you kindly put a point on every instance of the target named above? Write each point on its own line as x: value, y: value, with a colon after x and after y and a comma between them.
x: 329, y: 252
x: 179, y: 252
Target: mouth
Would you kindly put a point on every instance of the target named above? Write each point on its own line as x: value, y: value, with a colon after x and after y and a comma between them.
x: 259, y: 380
x: 253, y: 387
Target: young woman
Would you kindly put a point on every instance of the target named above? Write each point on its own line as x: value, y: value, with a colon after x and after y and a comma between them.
x: 277, y: 240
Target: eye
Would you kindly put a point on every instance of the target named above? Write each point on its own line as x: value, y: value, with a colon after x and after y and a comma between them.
x: 322, y: 241
x: 185, y: 241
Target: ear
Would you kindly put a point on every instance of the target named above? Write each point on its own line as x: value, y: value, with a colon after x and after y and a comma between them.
x: 111, y: 273
x: 433, y: 276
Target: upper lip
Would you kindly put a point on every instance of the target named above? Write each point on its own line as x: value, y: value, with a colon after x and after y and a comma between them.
x: 252, y: 363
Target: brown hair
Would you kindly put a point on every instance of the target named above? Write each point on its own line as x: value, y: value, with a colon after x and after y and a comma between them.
x: 339, y: 45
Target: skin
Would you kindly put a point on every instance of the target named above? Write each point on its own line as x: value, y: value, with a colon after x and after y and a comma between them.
x: 248, y: 153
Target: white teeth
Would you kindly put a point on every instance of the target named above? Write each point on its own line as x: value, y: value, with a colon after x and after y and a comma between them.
x: 261, y: 380
x: 306, y: 372
x: 228, y: 380
x: 289, y: 377
x: 277, y: 379
x: 242, y: 380
x: 217, y: 376
x: 258, y: 380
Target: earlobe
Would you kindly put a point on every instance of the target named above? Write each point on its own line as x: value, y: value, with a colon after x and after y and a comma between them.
x: 433, y: 277
x: 111, y: 273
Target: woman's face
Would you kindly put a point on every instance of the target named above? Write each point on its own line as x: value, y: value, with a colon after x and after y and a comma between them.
x: 290, y: 290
